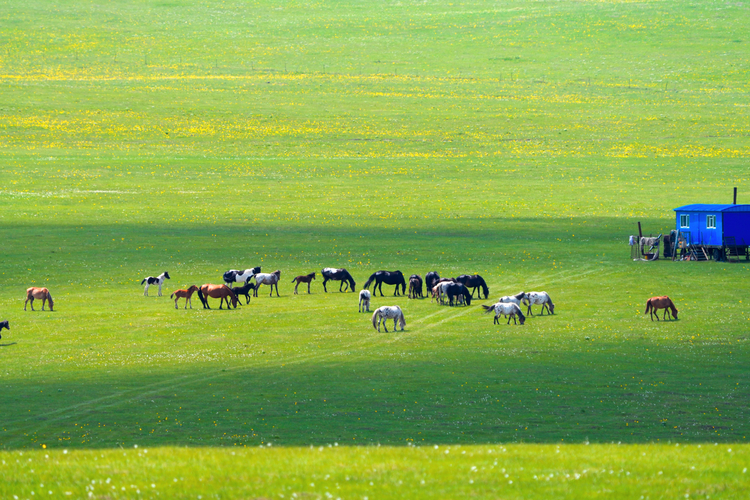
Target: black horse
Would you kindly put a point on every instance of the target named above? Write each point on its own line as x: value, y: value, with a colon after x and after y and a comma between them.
x: 458, y: 289
x: 431, y: 279
x: 244, y: 290
x: 415, y: 286
x: 342, y: 275
x: 389, y: 278
x: 474, y: 282
x: 4, y: 324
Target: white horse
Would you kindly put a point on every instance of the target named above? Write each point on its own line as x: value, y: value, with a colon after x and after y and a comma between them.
x: 364, y: 301
x: 152, y: 281
x: 268, y: 279
x: 383, y: 314
x: 535, y: 298
x: 509, y: 309
x: 439, y: 291
x: 513, y: 299
x: 239, y: 276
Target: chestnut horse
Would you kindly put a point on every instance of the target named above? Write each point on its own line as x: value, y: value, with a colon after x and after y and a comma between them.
x: 184, y: 294
x: 38, y: 293
x: 222, y: 292
x: 307, y: 278
x: 664, y: 302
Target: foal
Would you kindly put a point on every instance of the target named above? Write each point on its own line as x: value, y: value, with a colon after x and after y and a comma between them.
x: 4, y: 324
x: 152, y: 281
x: 38, y: 293
x: 307, y: 278
x: 244, y: 290
x: 364, y: 301
x: 186, y: 294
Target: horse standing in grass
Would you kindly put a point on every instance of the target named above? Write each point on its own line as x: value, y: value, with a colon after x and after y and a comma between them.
x: 431, y: 279
x: 221, y: 292
x: 513, y: 299
x: 307, y: 278
x: 184, y: 294
x: 239, y: 276
x: 535, y: 298
x: 268, y: 279
x: 459, y: 291
x: 415, y: 286
x: 474, y: 281
x: 342, y: 275
x: 364, y: 301
x: 243, y: 290
x: 655, y: 303
x: 4, y: 324
x: 509, y: 309
x: 383, y: 314
x: 153, y: 281
x: 389, y: 278
x: 38, y: 293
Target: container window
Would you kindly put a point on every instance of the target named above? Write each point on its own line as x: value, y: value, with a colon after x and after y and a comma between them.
x: 684, y: 220
x: 711, y: 222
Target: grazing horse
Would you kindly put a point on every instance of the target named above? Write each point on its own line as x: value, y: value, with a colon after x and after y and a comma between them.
x: 389, y: 278
x: 268, y: 279
x: 474, y: 282
x: 303, y: 279
x: 4, y: 324
x: 342, y: 275
x: 458, y: 290
x: 664, y: 302
x: 534, y: 298
x: 222, y: 292
x: 509, y: 309
x: 364, y: 301
x: 235, y: 276
x: 186, y: 294
x: 415, y: 286
x: 383, y: 314
x: 38, y: 293
x: 244, y: 290
x: 431, y: 279
x: 153, y: 281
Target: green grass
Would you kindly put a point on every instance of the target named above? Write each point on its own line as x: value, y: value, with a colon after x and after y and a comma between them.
x: 139, y: 138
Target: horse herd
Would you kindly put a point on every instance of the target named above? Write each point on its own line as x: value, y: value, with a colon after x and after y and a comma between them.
x: 454, y: 291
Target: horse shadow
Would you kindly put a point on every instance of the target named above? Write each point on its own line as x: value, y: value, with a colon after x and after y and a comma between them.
x: 6, y: 345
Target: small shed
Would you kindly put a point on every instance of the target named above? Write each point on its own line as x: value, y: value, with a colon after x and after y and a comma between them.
x: 714, y: 226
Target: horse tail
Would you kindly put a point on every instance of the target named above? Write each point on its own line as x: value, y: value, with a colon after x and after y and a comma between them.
x: 488, y: 309
x: 370, y: 280
x: 294, y: 279
x: 200, y: 296
x: 374, y: 323
x: 648, y: 306
x: 401, y: 320
x: 144, y: 280
x: 171, y: 296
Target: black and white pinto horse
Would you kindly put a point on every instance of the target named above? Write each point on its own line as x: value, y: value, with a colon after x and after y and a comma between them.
x: 474, y: 281
x: 364, y: 301
x: 235, y: 276
x: 535, y: 298
x: 509, y: 309
x: 458, y: 291
x: 153, y: 281
x: 389, y: 278
x: 342, y: 275
x: 268, y: 279
x: 431, y: 279
x: 383, y: 314
x: 4, y: 324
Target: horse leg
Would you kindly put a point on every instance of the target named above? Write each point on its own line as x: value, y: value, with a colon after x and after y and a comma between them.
x: 145, y: 291
x: 159, y: 289
x: 308, y: 287
x: 277, y: 289
x: 44, y: 301
x: 189, y: 299
x: 295, y: 288
x: 325, y: 290
x: 175, y: 302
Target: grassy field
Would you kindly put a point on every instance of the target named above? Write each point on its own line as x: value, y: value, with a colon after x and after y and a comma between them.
x: 518, y: 140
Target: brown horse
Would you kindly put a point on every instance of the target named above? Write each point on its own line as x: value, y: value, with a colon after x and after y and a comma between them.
x: 655, y: 303
x: 38, y: 293
x: 186, y: 294
x: 303, y: 279
x: 222, y: 292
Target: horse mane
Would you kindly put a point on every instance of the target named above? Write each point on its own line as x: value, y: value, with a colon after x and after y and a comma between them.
x: 673, y: 308
x: 348, y: 277
x: 520, y: 296
x: 311, y: 275
x: 484, y: 286
x: 519, y: 313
